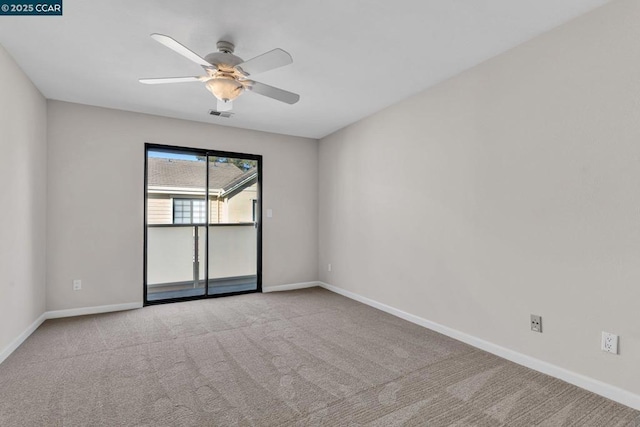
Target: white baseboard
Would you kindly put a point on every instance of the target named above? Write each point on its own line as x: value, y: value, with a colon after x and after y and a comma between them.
x: 603, y: 389
x: 92, y: 310
x: 63, y: 313
x: 290, y: 287
x: 22, y: 337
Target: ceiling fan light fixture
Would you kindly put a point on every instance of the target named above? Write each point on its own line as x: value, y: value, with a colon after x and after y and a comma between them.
x: 225, y: 88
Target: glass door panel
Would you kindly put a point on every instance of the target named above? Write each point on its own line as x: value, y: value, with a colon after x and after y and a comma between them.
x: 176, y: 224
x: 233, y: 225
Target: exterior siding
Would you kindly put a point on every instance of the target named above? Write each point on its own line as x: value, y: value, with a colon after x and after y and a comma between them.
x: 159, y: 209
x: 214, y: 210
x: 240, y: 206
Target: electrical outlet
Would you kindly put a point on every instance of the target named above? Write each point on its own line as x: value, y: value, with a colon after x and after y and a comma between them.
x: 328, y: 267
x: 536, y: 323
x: 77, y: 284
x: 609, y: 342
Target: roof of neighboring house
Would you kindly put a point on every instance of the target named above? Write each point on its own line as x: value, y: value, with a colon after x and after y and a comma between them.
x: 248, y: 178
x: 191, y: 174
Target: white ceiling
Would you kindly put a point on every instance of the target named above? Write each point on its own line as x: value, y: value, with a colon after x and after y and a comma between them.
x: 351, y: 57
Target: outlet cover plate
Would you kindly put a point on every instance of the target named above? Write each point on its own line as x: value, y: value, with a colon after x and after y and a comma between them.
x: 609, y: 342
x: 77, y: 285
x: 536, y: 323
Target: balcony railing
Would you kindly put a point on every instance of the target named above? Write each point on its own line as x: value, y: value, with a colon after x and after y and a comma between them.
x: 176, y: 259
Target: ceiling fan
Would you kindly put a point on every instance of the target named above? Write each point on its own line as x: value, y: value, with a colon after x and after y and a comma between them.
x: 227, y: 75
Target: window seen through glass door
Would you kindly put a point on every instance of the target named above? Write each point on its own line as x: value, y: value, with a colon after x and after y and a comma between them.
x: 189, y: 211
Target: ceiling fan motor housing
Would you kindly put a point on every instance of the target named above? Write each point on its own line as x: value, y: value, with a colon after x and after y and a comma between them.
x: 225, y: 60
x: 222, y: 58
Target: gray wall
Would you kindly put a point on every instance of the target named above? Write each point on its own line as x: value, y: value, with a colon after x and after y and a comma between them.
x: 510, y: 189
x: 95, y: 200
x: 23, y: 155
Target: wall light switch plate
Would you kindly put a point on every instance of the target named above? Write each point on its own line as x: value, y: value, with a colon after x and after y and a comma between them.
x: 609, y: 342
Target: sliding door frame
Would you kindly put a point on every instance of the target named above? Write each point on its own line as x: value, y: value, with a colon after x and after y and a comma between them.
x: 207, y: 153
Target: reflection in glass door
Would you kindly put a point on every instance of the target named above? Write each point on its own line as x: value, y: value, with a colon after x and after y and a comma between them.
x: 201, y: 221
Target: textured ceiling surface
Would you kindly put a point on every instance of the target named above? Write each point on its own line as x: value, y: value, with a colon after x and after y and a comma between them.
x: 351, y: 58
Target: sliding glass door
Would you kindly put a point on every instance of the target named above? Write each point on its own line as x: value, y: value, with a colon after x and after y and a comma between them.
x: 202, y: 223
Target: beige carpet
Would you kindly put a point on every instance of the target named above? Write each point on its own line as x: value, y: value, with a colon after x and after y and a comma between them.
x: 299, y: 358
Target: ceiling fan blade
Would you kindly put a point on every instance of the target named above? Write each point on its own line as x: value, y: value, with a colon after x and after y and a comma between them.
x: 267, y: 61
x: 274, y: 92
x: 162, y: 80
x: 224, y: 106
x: 182, y: 50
